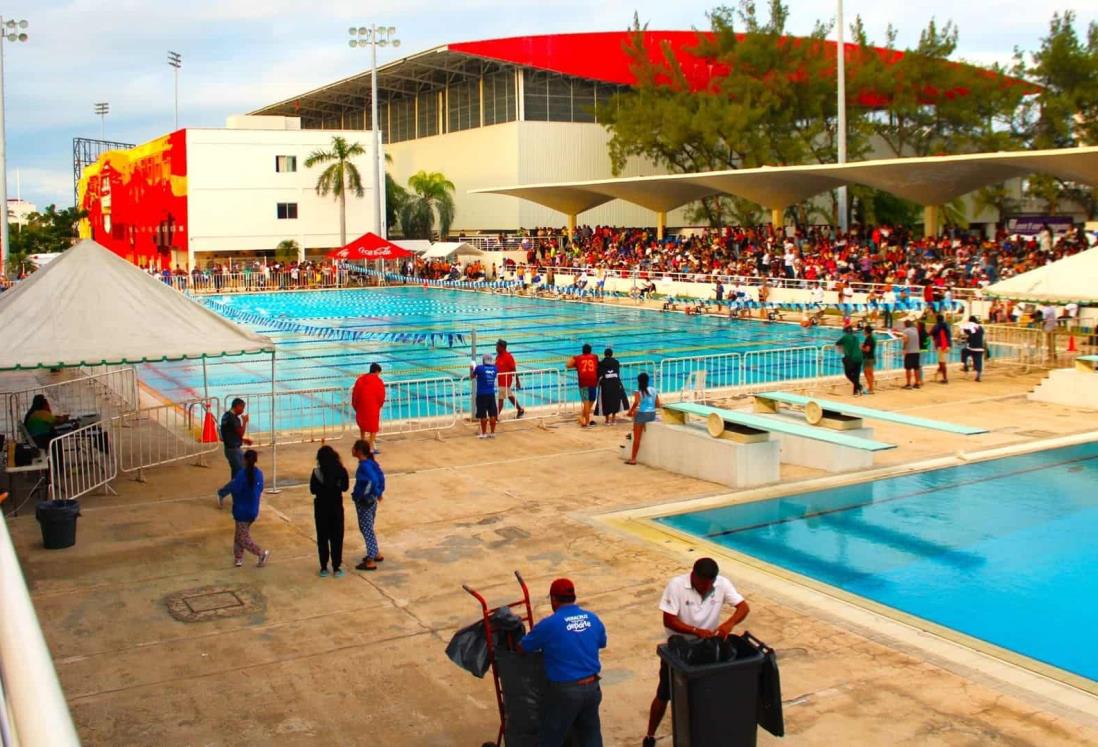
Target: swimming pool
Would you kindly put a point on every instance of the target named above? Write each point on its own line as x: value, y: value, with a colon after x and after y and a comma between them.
x: 1002, y: 550
x: 541, y: 333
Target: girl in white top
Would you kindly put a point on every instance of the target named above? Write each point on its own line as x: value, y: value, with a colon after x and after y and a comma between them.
x: 645, y: 401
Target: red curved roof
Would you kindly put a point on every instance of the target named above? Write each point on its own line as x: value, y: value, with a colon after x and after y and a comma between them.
x: 602, y: 56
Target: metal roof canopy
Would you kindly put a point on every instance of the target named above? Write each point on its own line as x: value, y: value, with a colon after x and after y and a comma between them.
x: 927, y: 181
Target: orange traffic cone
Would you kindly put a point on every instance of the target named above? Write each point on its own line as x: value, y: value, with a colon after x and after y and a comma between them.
x: 1071, y: 345
x: 209, y: 429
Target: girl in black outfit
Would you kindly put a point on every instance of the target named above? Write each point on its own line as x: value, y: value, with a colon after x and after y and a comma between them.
x: 612, y: 398
x: 328, y: 483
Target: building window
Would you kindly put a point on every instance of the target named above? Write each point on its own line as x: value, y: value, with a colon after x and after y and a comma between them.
x: 463, y: 110
x: 287, y: 211
x: 499, y: 98
x: 284, y: 164
x: 535, y: 87
x: 402, y: 119
x: 427, y: 114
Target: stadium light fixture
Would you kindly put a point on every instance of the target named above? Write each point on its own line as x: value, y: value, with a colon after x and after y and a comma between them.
x: 14, y: 31
x: 102, y: 108
x: 175, y: 60
x: 375, y: 36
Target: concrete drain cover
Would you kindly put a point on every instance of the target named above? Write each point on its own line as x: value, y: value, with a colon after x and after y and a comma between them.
x: 1036, y: 434
x: 214, y: 602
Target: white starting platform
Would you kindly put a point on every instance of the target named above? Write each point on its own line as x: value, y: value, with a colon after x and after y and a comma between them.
x: 1071, y: 387
x: 688, y: 449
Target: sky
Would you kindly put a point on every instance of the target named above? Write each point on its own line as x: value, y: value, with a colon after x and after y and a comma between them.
x: 239, y: 55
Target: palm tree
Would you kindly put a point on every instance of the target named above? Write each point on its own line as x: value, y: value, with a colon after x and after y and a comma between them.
x: 340, y: 176
x: 395, y: 197
x: 432, y: 194
x: 287, y: 251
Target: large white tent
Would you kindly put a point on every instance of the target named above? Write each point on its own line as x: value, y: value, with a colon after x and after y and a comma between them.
x: 91, y: 307
x: 1072, y: 279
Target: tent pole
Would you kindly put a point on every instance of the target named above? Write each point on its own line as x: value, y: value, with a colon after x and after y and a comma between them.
x: 274, y: 434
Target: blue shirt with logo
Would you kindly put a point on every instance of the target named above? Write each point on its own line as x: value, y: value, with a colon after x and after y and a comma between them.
x: 570, y: 639
x: 485, y: 374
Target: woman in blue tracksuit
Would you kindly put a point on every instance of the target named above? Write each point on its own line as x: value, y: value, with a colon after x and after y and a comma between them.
x: 368, y: 492
x: 246, y: 487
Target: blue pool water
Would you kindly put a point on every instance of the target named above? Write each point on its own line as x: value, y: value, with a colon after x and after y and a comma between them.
x: 1003, y: 550
x: 541, y: 334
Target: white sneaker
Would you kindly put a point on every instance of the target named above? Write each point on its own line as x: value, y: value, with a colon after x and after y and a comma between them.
x: 239, y: 562
x: 482, y: 435
x: 263, y: 559
x: 491, y: 435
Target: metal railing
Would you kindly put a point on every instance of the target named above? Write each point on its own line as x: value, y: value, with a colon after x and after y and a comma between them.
x: 298, y: 415
x: 33, y: 711
x: 107, y: 394
x: 1026, y: 346
x: 777, y: 366
x: 694, y: 377
x: 257, y: 281
x: 164, y: 434
x: 540, y: 391
x: 421, y: 405
x: 81, y: 461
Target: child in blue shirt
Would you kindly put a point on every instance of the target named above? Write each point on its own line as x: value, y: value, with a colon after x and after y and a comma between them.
x: 246, y: 487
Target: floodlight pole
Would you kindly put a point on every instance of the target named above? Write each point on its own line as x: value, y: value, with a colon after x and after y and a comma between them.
x: 840, y: 75
x: 10, y: 31
x: 176, y: 61
x: 375, y: 36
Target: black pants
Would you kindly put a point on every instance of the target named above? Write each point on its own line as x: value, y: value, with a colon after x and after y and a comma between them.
x: 888, y: 319
x: 571, y: 708
x: 977, y: 357
x: 329, y: 533
x: 853, y: 371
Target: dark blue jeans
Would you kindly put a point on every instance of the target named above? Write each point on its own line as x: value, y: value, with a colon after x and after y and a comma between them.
x: 574, y: 707
x: 235, y: 458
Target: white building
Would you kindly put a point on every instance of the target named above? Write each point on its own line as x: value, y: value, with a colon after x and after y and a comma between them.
x: 19, y: 211
x: 199, y: 195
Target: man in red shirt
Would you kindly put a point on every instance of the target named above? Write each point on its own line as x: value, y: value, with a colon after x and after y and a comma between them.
x: 587, y: 371
x: 507, y: 378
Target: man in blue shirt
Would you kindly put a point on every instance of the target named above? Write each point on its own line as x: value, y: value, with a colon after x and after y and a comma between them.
x: 484, y: 382
x: 570, y: 640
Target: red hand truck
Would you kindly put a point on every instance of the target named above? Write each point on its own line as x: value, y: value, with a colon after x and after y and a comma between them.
x: 487, y: 612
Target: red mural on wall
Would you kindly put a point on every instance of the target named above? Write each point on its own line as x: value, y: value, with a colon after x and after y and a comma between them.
x: 136, y: 200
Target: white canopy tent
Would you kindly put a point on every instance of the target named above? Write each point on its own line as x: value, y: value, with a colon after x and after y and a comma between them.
x: 1072, y: 279
x: 90, y: 307
x: 419, y: 246
x: 451, y: 249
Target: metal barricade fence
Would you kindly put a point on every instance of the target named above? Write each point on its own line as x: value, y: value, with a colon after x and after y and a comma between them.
x: 1028, y: 346
x: 763, y: 369
x: 165, y: 433
x: 81, y: 461
x: 299, y: 415
x: 540, y: 391
x: 107, y: 394
x: 694, y: 377
x: 421, y: 405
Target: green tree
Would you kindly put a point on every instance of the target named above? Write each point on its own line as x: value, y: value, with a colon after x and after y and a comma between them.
x: 287, y: 250
x: 340, y: 176
x: 395, y: 198
x: 47, y: 231
x: 1066, y: 110
x: 431, y: 195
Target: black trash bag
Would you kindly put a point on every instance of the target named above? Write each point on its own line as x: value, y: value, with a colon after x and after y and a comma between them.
x: 523, y: 684
x: 768, y: 712
x: 469, y: 646
x: 702, y: 651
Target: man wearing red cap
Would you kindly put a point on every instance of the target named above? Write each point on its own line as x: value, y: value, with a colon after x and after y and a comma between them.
x: 691, y: 606
x: 570, y: 640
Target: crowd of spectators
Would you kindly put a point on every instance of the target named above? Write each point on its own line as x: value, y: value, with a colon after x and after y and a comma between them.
x: 879, y: 254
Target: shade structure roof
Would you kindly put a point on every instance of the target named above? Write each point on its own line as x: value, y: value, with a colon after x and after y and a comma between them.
x: 91, y: 307
x: 370, y: 246
x: 927, y: 181
x: 1072, y: 279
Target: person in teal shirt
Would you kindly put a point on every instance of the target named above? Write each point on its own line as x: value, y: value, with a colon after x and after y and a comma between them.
x: 851, y: 348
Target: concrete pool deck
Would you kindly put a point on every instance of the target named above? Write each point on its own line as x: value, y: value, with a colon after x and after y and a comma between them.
x: 360, y: 660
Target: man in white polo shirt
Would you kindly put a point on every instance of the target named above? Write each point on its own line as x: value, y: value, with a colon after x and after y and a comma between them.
x: 692, y: 604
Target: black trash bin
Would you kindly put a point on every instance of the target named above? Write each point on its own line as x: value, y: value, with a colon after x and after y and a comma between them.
x: 58, y: 520
x: 715, y: 705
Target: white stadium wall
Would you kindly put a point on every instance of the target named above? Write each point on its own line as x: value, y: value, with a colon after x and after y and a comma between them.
x: 234, y: 191
x: 521, y: 153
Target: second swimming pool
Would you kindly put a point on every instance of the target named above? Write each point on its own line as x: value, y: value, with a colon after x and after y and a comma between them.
x: 1002, y: 550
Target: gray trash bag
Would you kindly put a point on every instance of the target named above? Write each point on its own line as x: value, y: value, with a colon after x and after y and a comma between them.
x: 469, y: 646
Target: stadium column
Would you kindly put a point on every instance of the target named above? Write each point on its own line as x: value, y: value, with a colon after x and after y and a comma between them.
x: 931, y: 219
x: 571, y: 225
x: 661, y: 223
x: 777, y: 217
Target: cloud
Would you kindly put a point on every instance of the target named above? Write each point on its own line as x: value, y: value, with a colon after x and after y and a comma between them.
x: 41, y: 186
